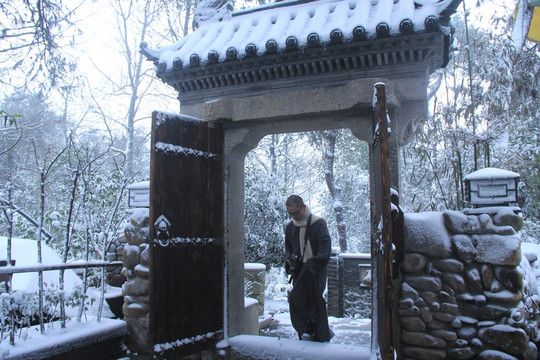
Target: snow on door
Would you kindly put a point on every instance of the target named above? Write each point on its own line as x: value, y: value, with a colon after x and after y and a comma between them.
x: 186, y: 236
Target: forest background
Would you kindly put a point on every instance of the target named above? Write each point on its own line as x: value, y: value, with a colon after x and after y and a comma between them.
x: 76, y: 101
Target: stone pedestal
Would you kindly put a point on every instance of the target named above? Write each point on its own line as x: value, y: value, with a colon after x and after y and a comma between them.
x: 255, y: 279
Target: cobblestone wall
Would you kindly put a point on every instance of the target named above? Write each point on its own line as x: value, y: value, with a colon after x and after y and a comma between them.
x: 135, y: 290
x: 462, y: 293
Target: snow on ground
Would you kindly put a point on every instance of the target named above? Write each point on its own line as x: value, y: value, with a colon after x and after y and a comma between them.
x: 24, y: 252
x: 348, y: 331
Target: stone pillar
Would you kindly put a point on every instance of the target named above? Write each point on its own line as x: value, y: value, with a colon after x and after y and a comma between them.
x: 135, y: 290
x: 255, y: 280
x: 335, y: 285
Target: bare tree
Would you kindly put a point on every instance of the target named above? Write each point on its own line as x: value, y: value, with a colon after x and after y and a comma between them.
x: 31, y: 38
x: 44, y: 168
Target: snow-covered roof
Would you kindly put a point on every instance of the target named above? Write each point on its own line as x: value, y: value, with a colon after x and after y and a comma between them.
x: 311, y: 42
x: 297, y: 24
x: 491, y: 173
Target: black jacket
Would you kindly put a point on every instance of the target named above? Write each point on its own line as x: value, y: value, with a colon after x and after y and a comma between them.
x: 319, y: 239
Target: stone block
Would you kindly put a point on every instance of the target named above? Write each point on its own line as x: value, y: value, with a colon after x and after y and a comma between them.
x: 135, y: 310
x: 426, y: 233
x: 507, y: 217
x: 455, y: 281
x: 510, y: 277
x: 408, y: 292
x: 464, y: 247
x: 450, y: 265
x: 406, y: 303
x: 463, y: 353
x: 494, y: 355
x: 138, y: 340
x: 142, y: 271
x: 428, y: 283
x: 499, y: 250
x: 145, y: 255
x: 444, y: 317
x: 136, y: 235
x: 135, y: 286
x: 474, y: 281
x: 505, y: 338
x: 140, y: 217
x: 485, y: 313
x: 414, y: 311
x: 421, y: 353
x: 446, y: 297
x: 532, y: 352
x: 445, y: 334
x: 459, y: 223
x: 480, y: 300
x: 449, y: 308
x: 412, y: 323
x: 487, y: 276
x: 436, y: 324
x: 422, y: 339
x: 131, y: 256
x: 413, y: 262
x: 426, y: 315
x: 504, y: 296
x: 467, y: 332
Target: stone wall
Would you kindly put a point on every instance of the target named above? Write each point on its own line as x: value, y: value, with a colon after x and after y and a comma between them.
x: 349, y: 285
x: 135, y: 290
x: 463, y: 294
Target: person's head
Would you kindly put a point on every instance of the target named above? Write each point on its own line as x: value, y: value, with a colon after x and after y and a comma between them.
x: 295, y: 207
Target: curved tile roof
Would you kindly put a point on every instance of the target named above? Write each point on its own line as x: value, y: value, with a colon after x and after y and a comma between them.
x: 296, y: 25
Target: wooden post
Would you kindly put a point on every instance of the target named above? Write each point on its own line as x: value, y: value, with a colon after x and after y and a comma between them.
x: 383, y: 219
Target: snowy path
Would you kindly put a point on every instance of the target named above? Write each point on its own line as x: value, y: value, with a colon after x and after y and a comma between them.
x: 348, y: 331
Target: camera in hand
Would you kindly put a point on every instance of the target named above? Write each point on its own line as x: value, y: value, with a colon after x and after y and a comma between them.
x: 296, y: 265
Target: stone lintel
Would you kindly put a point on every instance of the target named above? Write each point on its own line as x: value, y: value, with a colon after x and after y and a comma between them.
x: 307, y: 102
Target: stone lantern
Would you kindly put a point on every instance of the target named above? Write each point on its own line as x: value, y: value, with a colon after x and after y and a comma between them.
x: 139, y: 195
x: 491, y: 187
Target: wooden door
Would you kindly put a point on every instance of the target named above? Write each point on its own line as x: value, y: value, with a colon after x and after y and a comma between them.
x: 383, y: 226
x: 186, y: 236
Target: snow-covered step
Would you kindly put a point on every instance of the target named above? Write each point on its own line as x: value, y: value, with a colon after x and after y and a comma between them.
x: 273, y: 348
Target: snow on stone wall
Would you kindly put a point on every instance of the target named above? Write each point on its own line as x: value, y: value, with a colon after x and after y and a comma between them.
x: 466, y: 290
x: 135, y: 289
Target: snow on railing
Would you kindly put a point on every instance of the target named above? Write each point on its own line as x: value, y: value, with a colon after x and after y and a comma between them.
x: 17, y: 303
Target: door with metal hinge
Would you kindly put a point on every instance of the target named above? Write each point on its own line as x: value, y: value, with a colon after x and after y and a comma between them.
x: 383, y: 226
x: 186, y: 236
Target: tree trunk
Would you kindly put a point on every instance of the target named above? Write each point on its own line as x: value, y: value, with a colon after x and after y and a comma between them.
x: 335, y: 192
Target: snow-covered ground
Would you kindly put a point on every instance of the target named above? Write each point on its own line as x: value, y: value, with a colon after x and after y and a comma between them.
x: 347, y: 331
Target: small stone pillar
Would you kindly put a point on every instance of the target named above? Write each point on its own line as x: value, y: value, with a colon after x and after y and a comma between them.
x: 251, y: 316
x: 255, y: 279
x: 335, y: 285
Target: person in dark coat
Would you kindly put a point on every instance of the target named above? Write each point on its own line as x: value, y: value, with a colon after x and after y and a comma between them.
x: 308, y: 247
